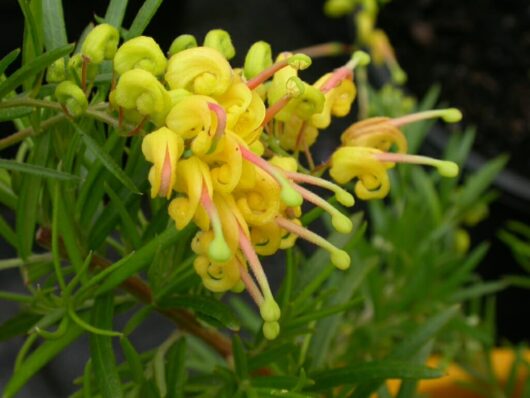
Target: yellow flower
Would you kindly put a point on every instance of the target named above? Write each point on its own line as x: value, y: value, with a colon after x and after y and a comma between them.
x: 163, y: 148
x: 192, y: 173
x: 225, y: 164
x: 200, y: 70
x: 142, y: 52
x: 261, y: 203
x: 337, y: 102
x: 193, y: 119
x: 139, y: 90
x: 217, y: 277
x: 375, y: 132
x: 348, y: 163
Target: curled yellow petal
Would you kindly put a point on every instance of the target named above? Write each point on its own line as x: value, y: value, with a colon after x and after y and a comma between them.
x: 375, y: 132
x: 215, y: 276
x: 337, y: 101
x: 200, y: 70
x: 266, y: 238
x: 140, y: 90
x: 225, y: 164
x: 348, y: 163
x: 142, y: 52
x: 296, y: 132
x: 261, y: 203
x: 192, y: 173
x: 101, y: 43
x: 163, y: 148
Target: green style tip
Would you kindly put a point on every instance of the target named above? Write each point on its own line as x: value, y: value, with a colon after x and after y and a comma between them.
x: 271, y: 330
x: 447, y: 168
x: 452, y: 115
x: 340, y: 259
x: 219, y: 251
x: 361, y: 58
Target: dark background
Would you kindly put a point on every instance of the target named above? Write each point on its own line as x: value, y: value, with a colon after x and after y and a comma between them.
x: 299, y: 23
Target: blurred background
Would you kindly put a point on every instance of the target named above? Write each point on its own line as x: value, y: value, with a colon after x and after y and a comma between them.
x: 479, y: 53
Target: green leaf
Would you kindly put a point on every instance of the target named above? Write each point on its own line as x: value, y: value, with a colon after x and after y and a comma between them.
x: 8, y: 60
x: 38, y: 358
x: 142, y: 19
x: 127, y: 266
x: 176, y: 369
x: 32, y: 68
x: 116, y: 12
x: 476, y: 184
x: 377, y: 370
x: 106, y: 160
x: 17, y: 325
x: 478, y: 290
x: 36, y: 170
x: 27, y: 205
x: 8, y: 114
x: 101, y: 352
x: 53, y: 24
x: 208, y: 306
x: 240, y: 358
x: 7, y: 233
x: 411, y: 345
x: 133, y: 359
x: 271, y: 355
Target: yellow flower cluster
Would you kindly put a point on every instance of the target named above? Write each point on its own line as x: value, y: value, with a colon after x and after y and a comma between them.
x: 206, y: 122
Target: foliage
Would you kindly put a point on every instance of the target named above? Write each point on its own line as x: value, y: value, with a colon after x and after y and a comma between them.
x: 93, y: 248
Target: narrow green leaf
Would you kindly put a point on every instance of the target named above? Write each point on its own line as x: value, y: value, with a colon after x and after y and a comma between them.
x: 270, y: 356
x: 240, y: 358
x: 106, y: 160
x: 7, y: 233
x: 142, y: 19
x: 102, y: 354
x: 44, y: 172
x: 53, y: 24
x: 129, y: 226
x: 133, y: 359
x: 17, y: 325
x: 478, y: 290
x: 27, y: 205
x: 377, y: 370
x: 411, y: 345
x: 124, y: 268
x: 116, y: 12
x: 176, y: 374
x: 32, y: 68
x: 208, y: 306
x: 9, y: 114
x: 8, y: 60
x: 476, y: 184
x: 38, y: 358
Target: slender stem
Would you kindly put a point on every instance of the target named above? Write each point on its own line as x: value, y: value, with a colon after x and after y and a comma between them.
x: 251, y: 286
x: 29, y: 131
x: 266, y: 74
x: 255, y: 264
x: 325, y: 49
x: 26, y: 101
x: 275, y: 108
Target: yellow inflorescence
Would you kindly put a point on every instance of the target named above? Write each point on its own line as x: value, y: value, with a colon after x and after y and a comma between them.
x: 206, y: 123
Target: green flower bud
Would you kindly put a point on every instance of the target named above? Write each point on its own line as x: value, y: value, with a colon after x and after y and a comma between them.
x: 56, y: 72
x: 221, y: 41
x: 142, y: 52
x: 71, y: 97
x: 338, y: 8
x: 101, y: 43
x: 182, y: 42
x: 258, y: 58
x: 271, y: 330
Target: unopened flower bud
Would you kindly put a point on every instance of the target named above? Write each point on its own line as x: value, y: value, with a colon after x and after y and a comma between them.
x: 71, y: 97
x: 101, y: 43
